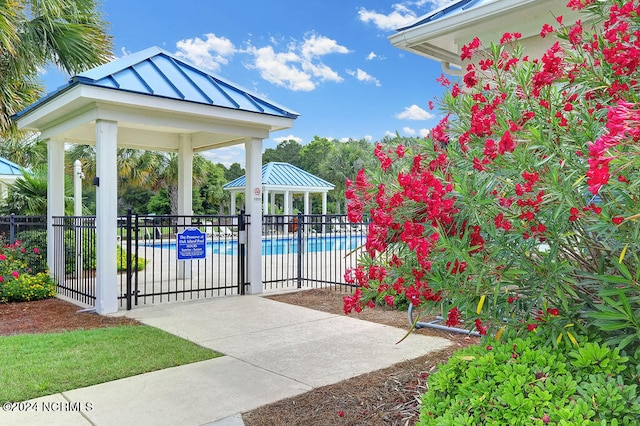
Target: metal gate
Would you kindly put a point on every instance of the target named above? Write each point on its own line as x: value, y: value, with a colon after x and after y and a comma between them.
x: 161, y: 264
x: 148, y: 264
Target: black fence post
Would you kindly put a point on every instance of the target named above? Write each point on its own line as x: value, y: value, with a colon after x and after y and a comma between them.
x: 242, y: 235
x: 136, y: 239
x: 300, y: 248
x: 129, y: 262
x: 12, y: 231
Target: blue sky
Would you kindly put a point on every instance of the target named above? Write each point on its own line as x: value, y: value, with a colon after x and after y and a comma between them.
x: 329, y: 61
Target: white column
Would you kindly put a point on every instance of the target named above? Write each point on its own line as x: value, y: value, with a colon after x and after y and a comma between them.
x: 55, y: 202
x: 265, y: 202
x: 273, y: 202
x: 106, y: 216
x: 324, y: 203
x: 324, y: 211
x: 307, y: 204
x: 287, y: 197
x: 185, y: 176
x: 77, y: 211
x: 185, y: 195
x: 253, y: 196
x: 232, y: 209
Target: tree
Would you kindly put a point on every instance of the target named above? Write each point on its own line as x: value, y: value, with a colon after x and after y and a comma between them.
x: 234, y: 171
x: 312, y: 154
x: 70, y: 34
x: 28, y: 195
x: 213, y: 196
x: 344, y: 162
x: 286, y: 152
x: 27, y: 152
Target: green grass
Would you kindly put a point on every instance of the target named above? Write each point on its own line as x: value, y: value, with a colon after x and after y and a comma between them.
x: 33, y: 365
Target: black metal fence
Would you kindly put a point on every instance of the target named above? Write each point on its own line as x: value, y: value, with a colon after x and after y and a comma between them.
x: 309, y: 251
x: 298, y: 251
x: 149, y: 266
x: 28, y: 231
x: 74, y: 258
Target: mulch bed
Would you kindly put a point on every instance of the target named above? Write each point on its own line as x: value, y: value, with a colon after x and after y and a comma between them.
x: 51, y: 315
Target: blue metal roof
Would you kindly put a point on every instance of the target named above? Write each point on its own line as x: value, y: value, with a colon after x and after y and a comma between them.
x: 9, y: 168
x: 285, y: 175
x: 156, y: 72
x: 448, y: 9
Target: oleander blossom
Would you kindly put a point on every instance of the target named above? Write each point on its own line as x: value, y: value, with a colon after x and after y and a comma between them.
x: 527, y: 185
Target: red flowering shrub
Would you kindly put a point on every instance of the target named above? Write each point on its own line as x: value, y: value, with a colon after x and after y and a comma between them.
x: 519, y: 212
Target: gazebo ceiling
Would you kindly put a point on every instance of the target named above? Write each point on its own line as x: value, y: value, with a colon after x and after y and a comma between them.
x: 156, y: 98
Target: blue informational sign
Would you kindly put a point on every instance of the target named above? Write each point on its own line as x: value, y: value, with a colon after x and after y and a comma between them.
x: 192, y: 244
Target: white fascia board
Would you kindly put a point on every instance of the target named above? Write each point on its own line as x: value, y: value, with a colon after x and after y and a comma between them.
x: 51, y: 110
x: 163, y: 120
x: 295, y: 189
x: 173, y: 106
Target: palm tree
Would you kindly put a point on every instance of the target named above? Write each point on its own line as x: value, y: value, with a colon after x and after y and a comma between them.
x: 70, y: 34
x: 146, y: 169
x: 27, y: 152
x: 344, y: 162
x: 28, y: 195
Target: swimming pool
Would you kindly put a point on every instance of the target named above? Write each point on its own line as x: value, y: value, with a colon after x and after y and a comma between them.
x: 281, y: 245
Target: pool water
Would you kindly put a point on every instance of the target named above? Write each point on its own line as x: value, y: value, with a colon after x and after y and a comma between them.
x: 282, y: 245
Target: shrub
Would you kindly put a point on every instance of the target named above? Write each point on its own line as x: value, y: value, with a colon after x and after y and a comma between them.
x: 520, y: 211
x: 89, y: 253
x: 27, y: 287
x: 524, y: 382
x: 139, y: 263
x: 17, y: 280
x: 35, y: 238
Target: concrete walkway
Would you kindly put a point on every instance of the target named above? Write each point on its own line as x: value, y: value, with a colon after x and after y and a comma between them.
x: 272, y: 351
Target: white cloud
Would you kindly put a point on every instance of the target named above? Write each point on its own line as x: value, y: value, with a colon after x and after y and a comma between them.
x: 364, y: 77
x: 281, y: 69
x: 390, y: 134
x: 408, y: 131
x: 371, y: 56
x: 322, y: 71
x: 424, y: 132
x: 368, y: 138
x: 289, y: 138
x: 208, y: 54
x: 400, y: 16
x: 436, y: 3
x: 316, y: 46
x: 414, y: 112
x: 299, y: 67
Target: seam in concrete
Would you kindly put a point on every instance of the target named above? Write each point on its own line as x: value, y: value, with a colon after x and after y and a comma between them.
x: 63, y: 394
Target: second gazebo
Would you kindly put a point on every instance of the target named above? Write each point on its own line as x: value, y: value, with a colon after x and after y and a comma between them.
x: 283, y: 179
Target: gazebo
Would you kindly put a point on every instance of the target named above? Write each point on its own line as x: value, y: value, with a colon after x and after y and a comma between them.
x: 151, y: 100
x: 287, y: 180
